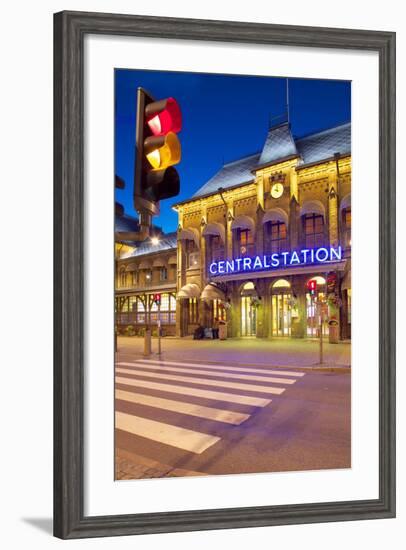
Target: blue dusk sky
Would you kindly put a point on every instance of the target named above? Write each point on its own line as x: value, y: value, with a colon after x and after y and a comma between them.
x: 225, y: 117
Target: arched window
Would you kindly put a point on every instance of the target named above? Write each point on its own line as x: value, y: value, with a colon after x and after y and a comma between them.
x: 313, y: 230
x: 281, y: 283
x: 216, y: 248
x: 244, y: 242
x: 275, y: 237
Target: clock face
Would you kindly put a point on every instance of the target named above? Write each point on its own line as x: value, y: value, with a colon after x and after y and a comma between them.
x: 277, y: 190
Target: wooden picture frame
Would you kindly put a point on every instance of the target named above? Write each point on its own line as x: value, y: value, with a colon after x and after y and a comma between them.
x: 70, y: 30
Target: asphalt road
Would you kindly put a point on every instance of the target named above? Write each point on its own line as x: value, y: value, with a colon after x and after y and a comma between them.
x: 218, y: 418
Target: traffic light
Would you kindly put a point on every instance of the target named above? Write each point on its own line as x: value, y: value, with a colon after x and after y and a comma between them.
x: 157, y: 150
x: 312, y: 286
x: 157, y: 299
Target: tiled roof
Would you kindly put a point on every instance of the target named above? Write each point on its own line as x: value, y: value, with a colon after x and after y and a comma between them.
x: 167, y: 241
x: 279, y: 144
x: 230, y: 174
x: 323, y: 145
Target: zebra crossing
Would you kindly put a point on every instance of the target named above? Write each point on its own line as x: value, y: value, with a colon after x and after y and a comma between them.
x: 217, y: 395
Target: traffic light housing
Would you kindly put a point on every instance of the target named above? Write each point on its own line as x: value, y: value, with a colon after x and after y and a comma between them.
x: 157, y: 150
x: 157, y: 299
x: 312, y: 286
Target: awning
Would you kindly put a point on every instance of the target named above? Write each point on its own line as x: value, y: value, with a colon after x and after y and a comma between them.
x: 190, y: 234
x: 275, y: 215
x: 159, y: 262
x: 313, y: 207
x: 131, y: 267
x: 212, y: 292
x: 243, y: 222
x: 191, y: 290
x: 173, y: 260
x: 346, y: 282
x: 215, y: 229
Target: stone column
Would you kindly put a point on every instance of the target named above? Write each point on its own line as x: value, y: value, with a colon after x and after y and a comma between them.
x: 267, y: 306
x: 294, y: 192
x: 229, y: 232
x: 294, y: 223
x: 333, y: 211
x: 299, y: 323
x: 179, y: 318
x: 260, y: 190
x: 259, y: 233
x: 235, y: 313
x: 261, y: 313
x: 203, y: 259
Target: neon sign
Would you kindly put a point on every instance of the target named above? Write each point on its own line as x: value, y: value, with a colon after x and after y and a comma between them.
x: 275, y: 261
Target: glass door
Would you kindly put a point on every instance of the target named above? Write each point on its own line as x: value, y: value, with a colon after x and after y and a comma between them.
x: 248, y: 317
x: 313, y: 315
x: 281, y: 314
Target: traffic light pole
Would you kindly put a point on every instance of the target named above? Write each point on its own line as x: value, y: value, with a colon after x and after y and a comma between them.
x: 321, y: 334
x: 159, y: 327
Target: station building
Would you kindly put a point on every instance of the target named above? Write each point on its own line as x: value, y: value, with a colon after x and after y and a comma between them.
x: 248, y: 243
x: 142, y: 271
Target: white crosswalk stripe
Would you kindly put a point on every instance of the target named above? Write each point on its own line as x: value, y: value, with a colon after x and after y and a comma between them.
x: 181, y: 381
x: 188, y: 440
x: 210, y: 413
x: 209, y: 366
x: 208, y: 382
x: 254, y: 378
x: 196, y: 392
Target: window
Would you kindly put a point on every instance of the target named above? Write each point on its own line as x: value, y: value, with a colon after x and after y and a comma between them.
x: 163, y: 274
x: 346, y: 221
x: 245, y: 242
x: 148, y: 276
x: 134, y: 278
x: 192, y: 254
x: 216, y: 249
x: 275, y: 237
x: 193, y: 311
x: 313, y: 228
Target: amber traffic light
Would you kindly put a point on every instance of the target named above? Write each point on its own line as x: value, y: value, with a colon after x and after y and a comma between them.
x: 157, y: 150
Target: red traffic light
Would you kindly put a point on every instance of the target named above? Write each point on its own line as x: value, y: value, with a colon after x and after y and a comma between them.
x: 158, y: 149
x: 164, y: 116
x: 156, y: 298
x: 312, y: 285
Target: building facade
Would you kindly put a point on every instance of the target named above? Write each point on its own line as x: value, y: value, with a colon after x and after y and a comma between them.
x: 142, y: 271
x: 248, y: 243
x: 251, y: 239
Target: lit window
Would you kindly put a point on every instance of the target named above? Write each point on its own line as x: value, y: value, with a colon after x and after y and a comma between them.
x: 275, y: 237
x: 313, y: 227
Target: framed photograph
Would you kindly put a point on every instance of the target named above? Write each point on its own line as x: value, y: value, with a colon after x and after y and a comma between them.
x: 224, y: 224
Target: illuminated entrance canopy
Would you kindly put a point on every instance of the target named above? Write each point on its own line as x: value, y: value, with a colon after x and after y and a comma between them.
x: 306, y: 256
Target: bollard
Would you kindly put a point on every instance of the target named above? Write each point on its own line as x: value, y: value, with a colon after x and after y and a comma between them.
x: 147, y: 342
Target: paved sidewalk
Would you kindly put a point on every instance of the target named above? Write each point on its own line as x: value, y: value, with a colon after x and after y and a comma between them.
x: 131, y: 466
x: 244, y: 351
